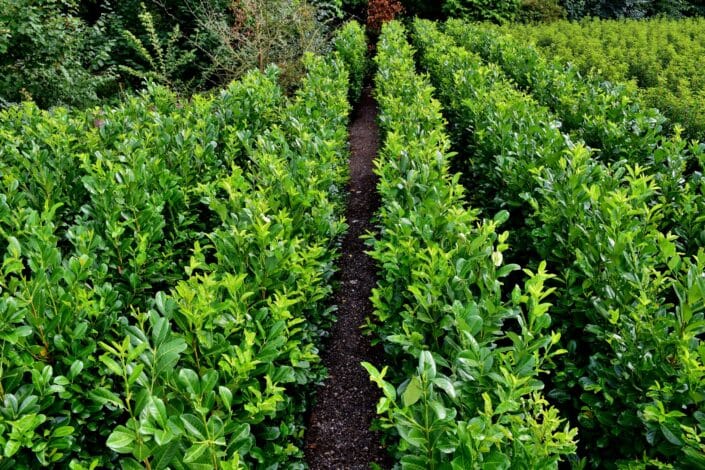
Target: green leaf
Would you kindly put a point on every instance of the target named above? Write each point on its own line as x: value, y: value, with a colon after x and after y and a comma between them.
x: 439, y: 409
x: 162, y: 438
x: 157, y: 409
x: 414, y: 436
x: 103, y: 396
x: 135, y: 374
x: 670, y: 436
x: 194, y: 426
x: 121, y: 439
x: 137, y: 350
x: 168, y: 355
x: 23, y: 331
x: 131, y: 464
x: 413, y: 392
x: 160, y: 330
x: 501, y: 217
x: 496, y: 460
x: 226, y: 396
x: 195, y: 452
x: 11, y: 448
x: 427, y: 365
x: 446, y: 385
x: 240, y: 433
x: 165, y: 455
x: 160, y: 302
x: 110, y: 363
x: 13, y: 247
x: 414, y: 462
x: 371, y: 370
x: 506, y: 269
x: 63, y: 431
x: 75, y: 369
x: 190, y: 380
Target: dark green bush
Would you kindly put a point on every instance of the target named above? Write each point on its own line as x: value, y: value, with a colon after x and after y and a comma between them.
x: 497, y: 11
x: 50, y: 55
x: 76, y: 52
x: 620, y: 9
x: 549, y: 10
x: 534, y: 11
x: 424, y: 8
x: 328, y: 11
x: 631, y: 8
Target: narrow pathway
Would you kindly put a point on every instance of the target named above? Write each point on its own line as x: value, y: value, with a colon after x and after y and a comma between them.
x: 339, y: 435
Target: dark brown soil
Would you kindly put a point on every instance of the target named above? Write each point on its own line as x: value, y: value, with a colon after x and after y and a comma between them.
x: 339, y: 435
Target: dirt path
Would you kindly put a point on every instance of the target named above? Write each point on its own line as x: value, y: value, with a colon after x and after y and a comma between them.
x: 339, y: 435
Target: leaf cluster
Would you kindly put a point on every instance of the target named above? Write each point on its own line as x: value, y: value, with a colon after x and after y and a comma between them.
x: 629, y: 304
x: 350, y: 43
x: 462, y: 385
x: 659, y: 56
x: 165, y: 271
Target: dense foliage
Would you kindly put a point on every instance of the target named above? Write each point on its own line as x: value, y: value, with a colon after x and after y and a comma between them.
x: 51, y: 55
x: 380, y: 12
x: 82, y: 52
x: 629, y: 306
x: 551, y: 10
x: 631, y: 8
x: 167, y: 262
x: 461, y: 388
x: 611, y: 119
x: 661, y: 57
x: 483, y: 10
x: 351, y: 44
x: 79, y: 52
x: 503, y: 10
x: 165, y: 272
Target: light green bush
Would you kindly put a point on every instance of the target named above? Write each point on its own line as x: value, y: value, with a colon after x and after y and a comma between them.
x: 660, y: 56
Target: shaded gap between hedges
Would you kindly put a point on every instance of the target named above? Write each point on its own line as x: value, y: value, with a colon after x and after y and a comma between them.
x: 339, y: 434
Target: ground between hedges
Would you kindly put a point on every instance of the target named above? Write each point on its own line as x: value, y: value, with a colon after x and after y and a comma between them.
x: 339, y: 434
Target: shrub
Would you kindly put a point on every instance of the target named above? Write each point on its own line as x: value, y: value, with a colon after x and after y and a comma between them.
x: 76, y: 52
x: 462, y: 385
x: 536, y: 11
x: 629, y: 305
x: 660, y: 56
x: 164, y: 60
x: 164, y: 274
x: 328, y: 11
x: 629, y: 8
x: 380, y: 12
x: 255, y: 33
x: 351, y: 43
x: 424, y: 8
x: 51, y: 56
x: 497, y: 11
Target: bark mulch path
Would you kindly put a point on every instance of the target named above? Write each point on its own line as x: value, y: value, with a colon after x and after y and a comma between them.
x: 339, y: 435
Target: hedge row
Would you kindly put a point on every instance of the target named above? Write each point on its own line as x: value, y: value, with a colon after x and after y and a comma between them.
x: 629, y: 307
x: 165, y: 274
x: 464, y: 351
x: 612, y: 120
x: 660, y: 57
